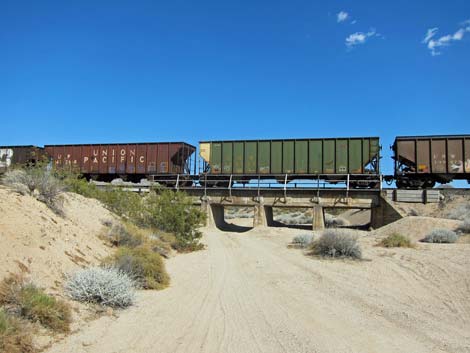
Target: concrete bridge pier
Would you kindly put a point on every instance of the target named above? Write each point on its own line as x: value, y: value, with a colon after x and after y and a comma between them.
x: 214, y: 214
x: 259, y: 216
x: 263, y: 216
x: 384, y: 213
x: 318, y: 219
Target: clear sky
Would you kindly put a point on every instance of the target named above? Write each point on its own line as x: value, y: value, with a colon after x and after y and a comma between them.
x: 135, y: 71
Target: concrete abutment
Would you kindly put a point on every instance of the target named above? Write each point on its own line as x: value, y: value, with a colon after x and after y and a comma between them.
x: 382, y: 211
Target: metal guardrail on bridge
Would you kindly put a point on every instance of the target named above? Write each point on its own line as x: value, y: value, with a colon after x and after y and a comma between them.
x: 219, y: 185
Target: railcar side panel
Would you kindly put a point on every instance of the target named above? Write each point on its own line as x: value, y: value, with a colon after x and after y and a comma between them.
x: 276, y: 157
x: 238, y: 157
x: 301, y: 156
x: 315, y: 157
x: 421, y: 161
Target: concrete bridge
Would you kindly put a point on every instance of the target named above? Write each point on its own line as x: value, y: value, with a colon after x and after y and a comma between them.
x: 214, y: 200
x: 263, y: 200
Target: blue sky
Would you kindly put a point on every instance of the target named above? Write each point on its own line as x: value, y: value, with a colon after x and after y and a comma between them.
x: 126, y: 71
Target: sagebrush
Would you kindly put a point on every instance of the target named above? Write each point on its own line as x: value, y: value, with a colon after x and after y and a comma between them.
x: 303, y: 240
x: 460, y: 213
x: 465, y: 227
x: 38, y: 182
x: 337, y: 243
x: 441, y: 236
x: 143, y: 265
x: 334, y: 221
x: 294, y: 216
x: 106, y: 286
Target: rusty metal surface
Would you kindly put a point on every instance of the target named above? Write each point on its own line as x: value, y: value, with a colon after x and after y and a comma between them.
x: 133, y: 158
x: 441, y: 158
x: 19, y: 155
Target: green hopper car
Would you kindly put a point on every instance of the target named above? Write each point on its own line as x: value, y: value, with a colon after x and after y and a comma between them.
x: 334, y: 159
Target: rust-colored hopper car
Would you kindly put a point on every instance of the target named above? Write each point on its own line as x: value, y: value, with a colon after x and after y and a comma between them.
x: 421, y: 161
x: 164, y: 162
x: 19, y: 155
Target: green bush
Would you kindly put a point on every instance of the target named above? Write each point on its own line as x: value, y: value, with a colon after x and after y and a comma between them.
x: 337, y: 243
x: 174, y: 212
x: 396, y: 240
x: 143, y: 265
x: 50, y: 312
x: 128, y: 205
x: 75, y: 183
x: 32, y: 303
x: 166, y: 210
x: 15, y: 337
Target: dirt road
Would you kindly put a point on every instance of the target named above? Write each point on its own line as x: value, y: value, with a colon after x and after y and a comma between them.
x: 250, y: 293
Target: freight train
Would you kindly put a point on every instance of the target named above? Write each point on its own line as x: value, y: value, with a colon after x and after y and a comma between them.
x: 419, y: 161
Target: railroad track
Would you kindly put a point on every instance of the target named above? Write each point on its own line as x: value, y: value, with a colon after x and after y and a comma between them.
x: 254, y: 189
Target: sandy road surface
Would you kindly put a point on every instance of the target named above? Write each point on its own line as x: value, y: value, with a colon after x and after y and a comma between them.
x: 249, y: 293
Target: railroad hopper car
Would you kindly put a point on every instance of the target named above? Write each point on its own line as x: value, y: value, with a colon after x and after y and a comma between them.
x: 421, y: 161
x: 19, y: 155
x: 331, y: 159
x: 157, y: 161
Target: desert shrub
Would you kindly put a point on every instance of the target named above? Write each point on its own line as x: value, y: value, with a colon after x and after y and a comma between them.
x: 461, y: 212
x: 441, y: 236
x: 128, y: 205
x: 396, y: 240
x: 10, y: 288
x: 143, y: 265
x: 303, y: 240
x: 337, y: 243
x: 183, y: 247
x: 465, y: 227
x: 106, y: 286
x: 174, y: 212
x: 334, y: 222
x: 32, y: 303
x: 296, y: 217
x: 39, y: 182
x: 50, y: 312
x: 239, y: 212
x: 77, y: 184
x: 15, y: 337
x: 129, y: 235
x: 162, y: 243
x: 121, y: 235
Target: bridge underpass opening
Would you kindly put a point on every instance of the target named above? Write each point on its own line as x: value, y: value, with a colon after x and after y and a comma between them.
x: 292, y: 217
x: 233, y: 218
x: 357, y: 218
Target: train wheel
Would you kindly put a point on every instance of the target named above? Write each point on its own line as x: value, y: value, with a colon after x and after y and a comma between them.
x: 429, y: 184
x: 401, y: 184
